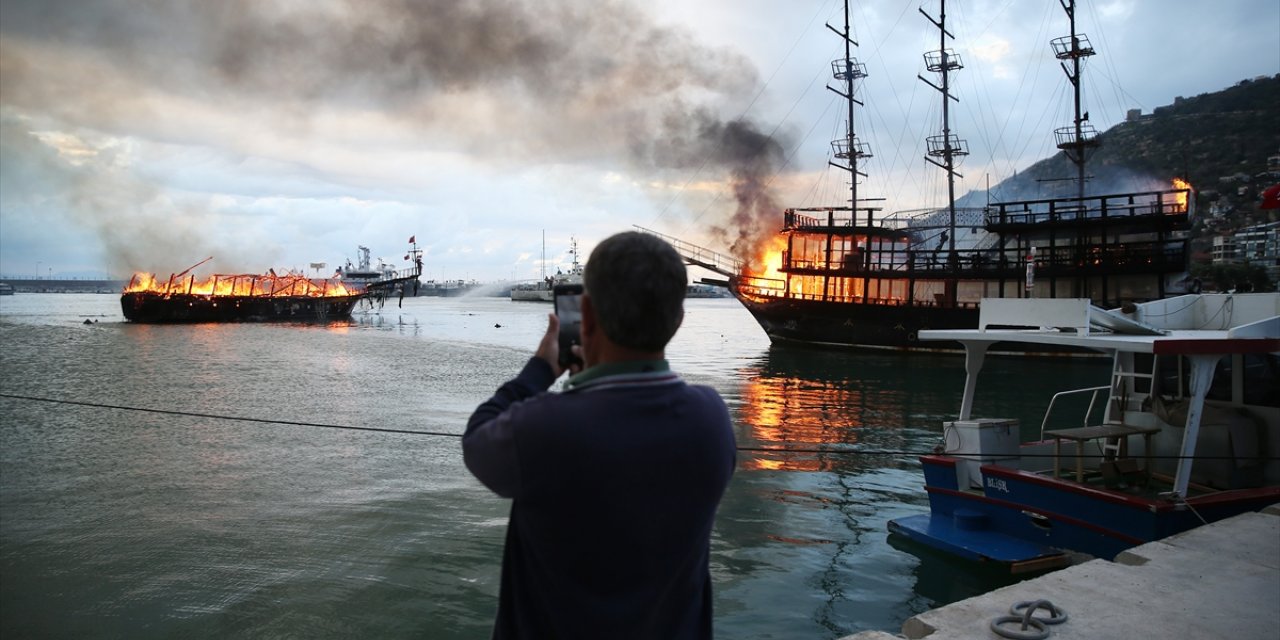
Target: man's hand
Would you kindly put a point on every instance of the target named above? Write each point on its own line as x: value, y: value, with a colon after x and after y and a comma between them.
x: 549, y: 348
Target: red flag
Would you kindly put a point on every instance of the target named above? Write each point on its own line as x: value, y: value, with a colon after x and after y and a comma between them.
x: 412, y: 238
x: 1271, y: 197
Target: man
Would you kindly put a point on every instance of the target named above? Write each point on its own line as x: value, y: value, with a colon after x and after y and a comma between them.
x: 616, y: 480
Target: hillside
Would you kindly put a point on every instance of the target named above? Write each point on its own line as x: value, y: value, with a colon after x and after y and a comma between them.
x: 1203, y: 139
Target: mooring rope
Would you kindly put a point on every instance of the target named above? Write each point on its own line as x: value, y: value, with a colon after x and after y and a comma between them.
x: 450, y: 434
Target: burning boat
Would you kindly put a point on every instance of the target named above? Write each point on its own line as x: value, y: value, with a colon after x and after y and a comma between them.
x: 263, y: 298
x: 850, y: 276
x: 236, y: 298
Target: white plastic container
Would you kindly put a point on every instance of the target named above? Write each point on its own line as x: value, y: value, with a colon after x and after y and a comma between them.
x: 979, y: 442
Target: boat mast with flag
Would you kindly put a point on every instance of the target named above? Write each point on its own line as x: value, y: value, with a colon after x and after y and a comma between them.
x: 543, y: 290
x: 385, y: 281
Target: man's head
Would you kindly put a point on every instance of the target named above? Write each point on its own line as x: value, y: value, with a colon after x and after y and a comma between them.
x: 636, y: 284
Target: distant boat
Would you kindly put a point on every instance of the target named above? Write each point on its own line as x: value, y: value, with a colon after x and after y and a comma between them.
x: 384, y: 281
x: 447, y: 288
x: 706, y: 291
x: 541, y: 290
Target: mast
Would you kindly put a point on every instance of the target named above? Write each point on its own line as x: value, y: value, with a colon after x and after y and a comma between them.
x: 1079, y: 140
x: 945, y: 146
x: 848, y: 148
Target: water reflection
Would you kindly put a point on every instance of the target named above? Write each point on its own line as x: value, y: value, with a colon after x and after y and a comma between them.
x: 825, y: 527
x: 941, y: 579
x: 405, y: 324
x: 831, y: 415
x: 806, y: 398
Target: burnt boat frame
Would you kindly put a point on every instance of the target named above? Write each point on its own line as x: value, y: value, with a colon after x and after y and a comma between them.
x: 152, y: 307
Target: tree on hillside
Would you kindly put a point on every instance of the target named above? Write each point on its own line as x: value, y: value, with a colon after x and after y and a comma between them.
x: 1240, y: 277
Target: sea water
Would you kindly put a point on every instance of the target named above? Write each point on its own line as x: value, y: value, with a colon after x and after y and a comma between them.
x: 184, y: 522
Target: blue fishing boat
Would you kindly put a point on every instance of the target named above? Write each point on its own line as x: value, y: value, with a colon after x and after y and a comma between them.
x: 1186, y: 431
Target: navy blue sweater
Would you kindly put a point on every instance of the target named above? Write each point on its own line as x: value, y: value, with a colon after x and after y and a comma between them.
x: 615, y: 485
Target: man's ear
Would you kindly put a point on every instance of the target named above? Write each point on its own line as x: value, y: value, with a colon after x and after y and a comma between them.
x: 589, y: 324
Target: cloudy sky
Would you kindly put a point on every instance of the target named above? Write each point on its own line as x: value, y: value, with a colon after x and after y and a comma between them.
x: 151, y: 134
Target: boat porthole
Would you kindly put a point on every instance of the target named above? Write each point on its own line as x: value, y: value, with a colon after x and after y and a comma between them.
x: 911, y: 337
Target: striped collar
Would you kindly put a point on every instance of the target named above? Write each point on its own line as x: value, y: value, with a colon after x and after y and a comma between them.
x: 628, y: 372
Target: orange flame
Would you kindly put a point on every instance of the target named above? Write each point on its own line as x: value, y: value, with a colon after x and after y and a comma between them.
x: 768, y: 260
x: 1184, y: 189
x: 240, y: 285
x: 761, y: 275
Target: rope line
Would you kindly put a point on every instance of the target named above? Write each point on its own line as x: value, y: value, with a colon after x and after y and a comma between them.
x: 420, y: 432
x: 215, y: 416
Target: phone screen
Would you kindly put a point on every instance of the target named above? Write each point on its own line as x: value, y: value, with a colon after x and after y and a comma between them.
x: 568, y: 302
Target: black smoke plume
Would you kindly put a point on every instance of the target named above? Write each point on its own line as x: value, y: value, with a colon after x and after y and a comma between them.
x: 595, y: 81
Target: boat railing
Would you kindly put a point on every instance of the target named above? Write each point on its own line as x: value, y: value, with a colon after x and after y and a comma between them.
x: 759, y: 286
x: 1093, y: 402
x: 907, y: 221
x: 1118, y: 206
x: 927, y: 262
x: 838, y: 218
x: 402, y: 274
x: 768, y: 288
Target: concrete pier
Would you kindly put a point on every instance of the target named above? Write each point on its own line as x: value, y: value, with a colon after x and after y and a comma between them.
x: 1217, y: 581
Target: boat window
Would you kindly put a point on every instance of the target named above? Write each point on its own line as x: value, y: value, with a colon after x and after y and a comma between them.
x: 1220, y: 389
x: 1262, y: 379
x: 1171, y: 380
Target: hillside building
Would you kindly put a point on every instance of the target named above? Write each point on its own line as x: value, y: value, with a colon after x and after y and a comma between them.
x: 1259, y: 244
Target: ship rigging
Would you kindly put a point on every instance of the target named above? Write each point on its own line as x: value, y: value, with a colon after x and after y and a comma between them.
x: 848, y: 275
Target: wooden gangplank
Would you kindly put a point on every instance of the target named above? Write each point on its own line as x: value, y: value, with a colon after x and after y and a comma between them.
x: 693, y: 254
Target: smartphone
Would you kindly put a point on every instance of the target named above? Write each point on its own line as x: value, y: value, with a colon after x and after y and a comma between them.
x: 568, y: 301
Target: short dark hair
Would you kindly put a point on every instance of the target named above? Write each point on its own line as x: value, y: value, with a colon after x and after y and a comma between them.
x: 637, y: 284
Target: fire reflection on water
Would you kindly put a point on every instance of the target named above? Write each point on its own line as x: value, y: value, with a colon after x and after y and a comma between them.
x: 812, y: 400
x: 788, y: 410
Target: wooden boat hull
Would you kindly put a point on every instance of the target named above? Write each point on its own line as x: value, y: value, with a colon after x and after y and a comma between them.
x: 151, y: 307
x: 876, y: 327
x: 870, y: 326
